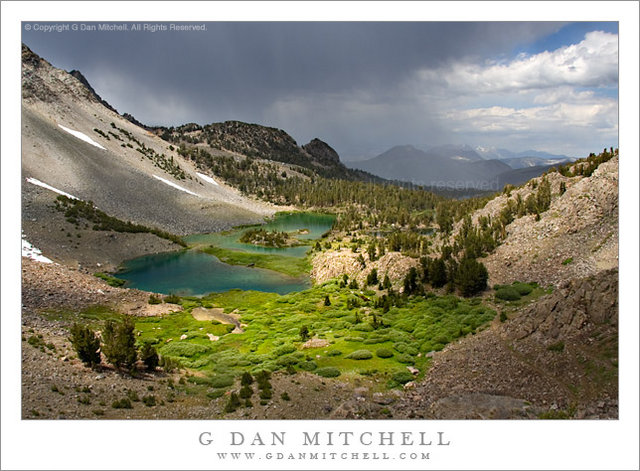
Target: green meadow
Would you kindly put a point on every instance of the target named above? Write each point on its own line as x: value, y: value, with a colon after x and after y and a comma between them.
x: 360, y: 338
x: 291, y: 266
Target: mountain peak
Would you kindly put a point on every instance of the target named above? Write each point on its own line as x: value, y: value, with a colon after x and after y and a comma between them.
x: 43, y: 82
x: 83, y: 80
x: 321, y: 151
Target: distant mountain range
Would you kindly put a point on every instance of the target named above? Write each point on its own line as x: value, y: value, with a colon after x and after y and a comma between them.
x: 454, y: 166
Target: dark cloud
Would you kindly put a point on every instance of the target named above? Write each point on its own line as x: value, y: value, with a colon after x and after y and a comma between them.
x: 336, y: 80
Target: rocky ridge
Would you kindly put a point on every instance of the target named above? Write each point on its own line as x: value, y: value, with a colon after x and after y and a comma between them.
x: 321, y: 152
x: 576, y: 236
x: 262, y: 142
x: 126, y: 159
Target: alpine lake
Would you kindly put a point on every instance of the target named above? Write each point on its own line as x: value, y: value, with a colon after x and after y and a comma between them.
x: 251, y: 308
x: 219, y: 262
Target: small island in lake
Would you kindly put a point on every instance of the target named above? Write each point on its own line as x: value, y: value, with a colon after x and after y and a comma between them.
x: 266, y: 238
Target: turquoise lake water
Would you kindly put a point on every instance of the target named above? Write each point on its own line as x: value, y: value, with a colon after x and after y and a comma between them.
x: 194, y: 273
x: 316, y: 224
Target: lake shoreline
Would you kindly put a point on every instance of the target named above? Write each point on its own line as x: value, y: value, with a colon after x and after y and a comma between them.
x: 229, y: 264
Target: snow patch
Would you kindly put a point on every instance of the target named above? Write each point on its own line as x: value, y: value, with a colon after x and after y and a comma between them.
x: 49, y: 187
x: 82, y: 137
x: 33, y: 253
x: 207, y: 178
x: 460, y: 157
x: 175, y: 186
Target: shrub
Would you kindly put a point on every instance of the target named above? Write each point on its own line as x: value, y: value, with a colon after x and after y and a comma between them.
x: 221, y: 381
x: 384, y: 353
x: 402, y: 377
x: 262, y: 377
x: 308, y: 365
x: 362, y: 328
x: 503, y: 317
x: 266, y: 394
x: 124, y: 403
x: 367, y: 372
x: 360, y: 355
x: 153, y: 299
x: 328, y: 372
x: 111, y: 280
x: 169, y: 364
x: 285, y: 396
x: 522, y: 288
x: 133, y: 395
x: 246, y: 392
x: 284, y: 349
x: 334, y: 353
x: 183, y: 349
x: 405, y: 358
x: 172, y: 299
x: 86, y: 344
x: 246, y: 379
x: 233, y: 403
x: 507, y: 294
x: 149, y: 401
x: 288, y: 360
x: 119, y: 343
x: 216, y: 393
x: 36, y: 341
x: 400, y: 347
x: 556, y: 347
x: 149, y: 356
x: 567, y: 261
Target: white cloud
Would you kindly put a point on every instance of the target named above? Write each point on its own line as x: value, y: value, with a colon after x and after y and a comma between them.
x: 591, y: 63
x: 563, y: 95
x: 551, y: 100
x: 598, y: 116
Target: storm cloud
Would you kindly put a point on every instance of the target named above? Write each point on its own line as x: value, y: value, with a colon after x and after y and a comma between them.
x: 362, y: 87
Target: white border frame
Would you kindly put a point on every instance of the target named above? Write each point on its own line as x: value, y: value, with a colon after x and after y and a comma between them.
x: 173, y: 444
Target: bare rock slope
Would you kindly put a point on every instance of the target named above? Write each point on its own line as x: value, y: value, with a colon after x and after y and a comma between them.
x: 126, y: 171
x: 576, y: 236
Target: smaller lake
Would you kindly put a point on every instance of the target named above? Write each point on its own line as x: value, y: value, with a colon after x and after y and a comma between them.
x: 193, y: 273
x: 315, y: 223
